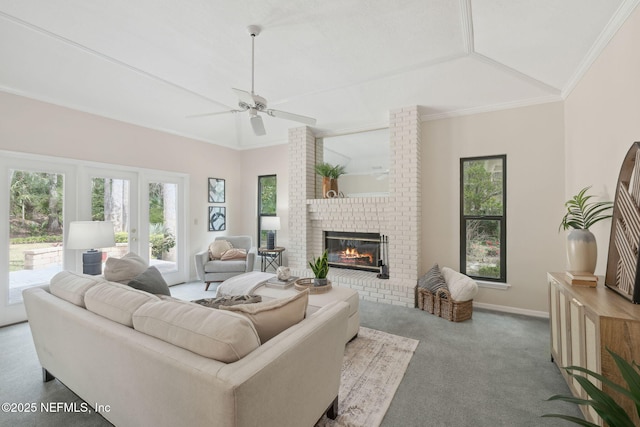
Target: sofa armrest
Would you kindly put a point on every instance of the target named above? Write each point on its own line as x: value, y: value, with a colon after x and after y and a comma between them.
x: 201, y: 258
x: 296, y: 373
x: 251, y: 259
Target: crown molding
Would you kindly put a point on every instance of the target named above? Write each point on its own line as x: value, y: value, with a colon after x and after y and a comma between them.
x: 615, y: 23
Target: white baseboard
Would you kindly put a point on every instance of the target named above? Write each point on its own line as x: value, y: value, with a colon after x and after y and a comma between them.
x: 514, y: 310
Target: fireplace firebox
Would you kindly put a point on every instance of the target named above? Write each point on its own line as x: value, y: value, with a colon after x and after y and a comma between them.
x: 358, y: 251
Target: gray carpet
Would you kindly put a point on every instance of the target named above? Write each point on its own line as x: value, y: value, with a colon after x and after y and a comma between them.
x: 492, y: 370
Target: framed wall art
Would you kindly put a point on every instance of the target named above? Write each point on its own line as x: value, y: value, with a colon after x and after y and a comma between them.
x: 216, y: 190
x: 217, y: 218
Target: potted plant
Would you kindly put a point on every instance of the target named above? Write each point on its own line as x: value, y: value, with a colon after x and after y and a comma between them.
x: 330, y: 175
x: 582, y: 252
x: 320, y: 268
x: 604, y: 405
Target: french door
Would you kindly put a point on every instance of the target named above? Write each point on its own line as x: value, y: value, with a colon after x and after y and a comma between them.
x: 40, y: 196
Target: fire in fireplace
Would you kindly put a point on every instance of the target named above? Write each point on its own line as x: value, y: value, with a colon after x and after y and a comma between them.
x: 358, y: 251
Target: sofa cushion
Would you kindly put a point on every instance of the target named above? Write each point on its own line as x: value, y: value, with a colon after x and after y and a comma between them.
x: 124, y: 269
x: 72, y: 287
x: 230, y: 266
x: 272, y: 317
x: 226, y: 301
x: 433, y: 279
x: 151, y: 281
x: 218, y: 247
x: 234, y: 253
x: 216, y: 334
x: 116, y: 302
x: 461, y: 287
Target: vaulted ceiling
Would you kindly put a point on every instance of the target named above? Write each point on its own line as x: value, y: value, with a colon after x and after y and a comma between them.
x: 346, y: 63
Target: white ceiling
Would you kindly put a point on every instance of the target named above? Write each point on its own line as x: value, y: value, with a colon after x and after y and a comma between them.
x: 346, y: 63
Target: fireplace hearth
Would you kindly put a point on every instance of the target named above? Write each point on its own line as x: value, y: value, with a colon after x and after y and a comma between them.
x: 357, y: 251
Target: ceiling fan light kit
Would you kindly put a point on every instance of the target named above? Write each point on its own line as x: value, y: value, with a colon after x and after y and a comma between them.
x: 255, y: 104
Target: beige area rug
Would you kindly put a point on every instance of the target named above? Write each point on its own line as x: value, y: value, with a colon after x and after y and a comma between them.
x: 374, y: 364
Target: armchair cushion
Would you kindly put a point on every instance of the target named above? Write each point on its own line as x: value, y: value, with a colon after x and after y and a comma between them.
x: 228, y: 266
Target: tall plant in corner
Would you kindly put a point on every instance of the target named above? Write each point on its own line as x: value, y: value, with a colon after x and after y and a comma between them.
x: 581, y: 214
x: 604, y: 405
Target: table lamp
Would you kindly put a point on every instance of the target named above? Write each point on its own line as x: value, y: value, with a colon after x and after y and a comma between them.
x: 90, y: 235
x: 271, y: 224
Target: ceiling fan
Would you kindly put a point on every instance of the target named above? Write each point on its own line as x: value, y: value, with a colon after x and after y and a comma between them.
x: 255, y: 104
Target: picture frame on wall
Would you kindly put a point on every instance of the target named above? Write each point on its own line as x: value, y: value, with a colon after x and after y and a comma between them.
x: 216, y: 190
x: 217, y: 218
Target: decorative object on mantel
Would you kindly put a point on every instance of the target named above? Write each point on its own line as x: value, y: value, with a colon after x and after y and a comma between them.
x: 582, y: 251
x: 330, y: 175
x: 320, y: 268
x: 622, y: 265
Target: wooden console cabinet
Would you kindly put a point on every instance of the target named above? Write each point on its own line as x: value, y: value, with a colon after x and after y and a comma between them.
x: 584, y: 323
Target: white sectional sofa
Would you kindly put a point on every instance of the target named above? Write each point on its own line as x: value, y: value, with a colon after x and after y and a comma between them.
x: 152, y: 360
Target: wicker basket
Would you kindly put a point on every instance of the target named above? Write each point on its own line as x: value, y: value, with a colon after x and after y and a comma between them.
x: 440, y: 304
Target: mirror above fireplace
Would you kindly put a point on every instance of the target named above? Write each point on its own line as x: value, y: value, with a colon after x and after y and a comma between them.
x: 366, y: 157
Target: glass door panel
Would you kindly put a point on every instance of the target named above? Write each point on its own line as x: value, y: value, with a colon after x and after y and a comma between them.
x: 35, y: 229
x: 111, y: 201
x: 163, y: 226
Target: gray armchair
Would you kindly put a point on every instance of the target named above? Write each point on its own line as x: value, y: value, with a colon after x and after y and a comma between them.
x: 217, y: 270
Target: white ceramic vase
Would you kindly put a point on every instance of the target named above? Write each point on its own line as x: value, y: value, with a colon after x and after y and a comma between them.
x: 582, y: 251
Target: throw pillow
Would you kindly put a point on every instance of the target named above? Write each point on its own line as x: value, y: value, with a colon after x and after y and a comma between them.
x: 227, y: 301
x: 124, y: 269
x: 151, y: 281
x: 234, y: 253
x: 218, y: 247
x: 272, y: 317
x: 461, y: 286
x: 433, y: 280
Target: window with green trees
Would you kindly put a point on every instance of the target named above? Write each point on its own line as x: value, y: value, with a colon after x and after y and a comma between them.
x: 267, y: 202
x: 35, y: 225
x: 483, y: 231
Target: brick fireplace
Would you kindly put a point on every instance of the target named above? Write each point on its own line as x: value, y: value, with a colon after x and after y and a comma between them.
x: 396, y: 216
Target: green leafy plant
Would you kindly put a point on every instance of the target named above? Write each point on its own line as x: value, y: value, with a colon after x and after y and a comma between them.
x: 604, y: 405
x: 328, y: 170
x: 320, y: 266
x: 582, y: 214
x: 161, y: 240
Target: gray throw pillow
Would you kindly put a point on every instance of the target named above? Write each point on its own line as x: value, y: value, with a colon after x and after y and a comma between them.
x: 150, y: 281
x: 433, y: 280
x: 227, y: 301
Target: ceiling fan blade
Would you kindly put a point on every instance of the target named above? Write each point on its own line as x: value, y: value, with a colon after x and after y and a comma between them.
x: 257, y: 125
x: 244, y: 96
x: 192, y: 116
x: 291, y: 116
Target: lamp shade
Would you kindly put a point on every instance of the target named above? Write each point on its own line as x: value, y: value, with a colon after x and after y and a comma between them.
x: 271, y: 223
x: 90, y: 235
